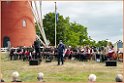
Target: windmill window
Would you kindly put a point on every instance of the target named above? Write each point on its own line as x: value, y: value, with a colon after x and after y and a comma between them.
x: 24, y: 23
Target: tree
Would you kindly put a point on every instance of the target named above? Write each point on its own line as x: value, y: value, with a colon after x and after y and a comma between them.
x: 75, y: 34
x: 71, y: 33
x: 49, y: 26
x: 102, y: 43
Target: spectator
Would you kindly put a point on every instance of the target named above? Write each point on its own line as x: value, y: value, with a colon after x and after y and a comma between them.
x: 1, y: 79
x: 119, y: 78
x: 92, y: 78
x: 15, y: 76
x: 40, y: 77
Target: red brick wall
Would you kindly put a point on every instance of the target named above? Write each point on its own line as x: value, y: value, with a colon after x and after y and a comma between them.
x: 12, y: 15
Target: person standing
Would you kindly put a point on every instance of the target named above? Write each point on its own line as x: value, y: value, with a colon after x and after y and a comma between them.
x: 61, y: 49
x: 37, y: 49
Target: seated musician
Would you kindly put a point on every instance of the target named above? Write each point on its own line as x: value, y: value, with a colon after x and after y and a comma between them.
x: 86, y: 52
x: 119, y: 55
x: 111, y: 52
x: 27, y: 53
x: 11, y: 53
x: 67, y: 53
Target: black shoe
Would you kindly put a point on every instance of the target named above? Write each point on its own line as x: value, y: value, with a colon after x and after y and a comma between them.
x: 62, y: 64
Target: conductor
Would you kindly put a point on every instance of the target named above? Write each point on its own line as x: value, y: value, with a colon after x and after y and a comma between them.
x: 37, y: 49
x: 61, y: 48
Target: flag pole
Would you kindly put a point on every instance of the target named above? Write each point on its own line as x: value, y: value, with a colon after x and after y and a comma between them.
x: 55, y: 24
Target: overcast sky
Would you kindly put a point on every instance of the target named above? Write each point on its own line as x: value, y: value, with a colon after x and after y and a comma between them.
x: 102, y: 18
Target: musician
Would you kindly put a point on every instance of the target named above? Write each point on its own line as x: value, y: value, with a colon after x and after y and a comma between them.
x: 103, y: 54
x: 67, y: 53
x: 37, y: 49
x: 12, y: 54
x: 86, y: 53
x: 118, y: 51
x: 111, y: 52
x: 119, y: 55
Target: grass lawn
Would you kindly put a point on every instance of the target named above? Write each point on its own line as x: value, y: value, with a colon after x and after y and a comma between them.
x: 71, y: 71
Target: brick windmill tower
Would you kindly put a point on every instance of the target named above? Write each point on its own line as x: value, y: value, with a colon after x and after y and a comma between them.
x: 17, y: 22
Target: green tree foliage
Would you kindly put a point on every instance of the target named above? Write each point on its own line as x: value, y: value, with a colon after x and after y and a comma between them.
x: 71, y: 33
x: 49, y: 26
x: 76, y: 34
x: 102, y: 43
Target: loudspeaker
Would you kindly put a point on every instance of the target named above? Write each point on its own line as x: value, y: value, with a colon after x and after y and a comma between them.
x: 34, y: 62
x: 111, y: 63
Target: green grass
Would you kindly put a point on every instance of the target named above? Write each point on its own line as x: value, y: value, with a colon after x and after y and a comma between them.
x: 71, y: 71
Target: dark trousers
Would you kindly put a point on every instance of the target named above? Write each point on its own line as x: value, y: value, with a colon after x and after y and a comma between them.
x: 103, y: 57
x: 37, y: 53
x: 97, y: 56
x: 20, y: 56
x: 60, y: 58
x: 11, y: 56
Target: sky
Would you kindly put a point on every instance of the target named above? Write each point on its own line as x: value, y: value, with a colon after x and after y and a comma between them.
x: 104, y: 19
